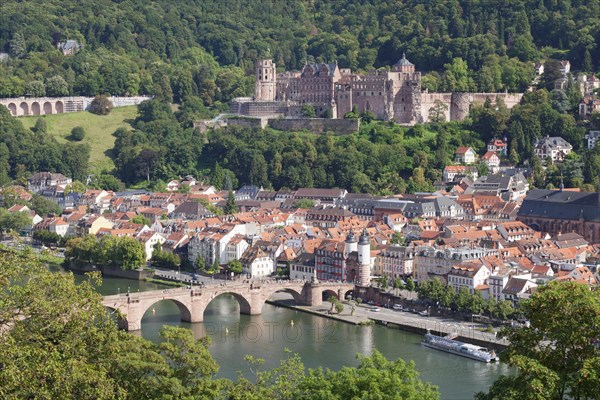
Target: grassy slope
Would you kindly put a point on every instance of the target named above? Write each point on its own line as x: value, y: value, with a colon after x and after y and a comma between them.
x: 98, y: 129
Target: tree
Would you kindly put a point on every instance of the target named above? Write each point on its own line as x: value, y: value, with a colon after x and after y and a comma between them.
x: 384, y: 282
x: 332, y: 300
x: 463, y: 299
x: 62, y: 344
x: 200, y: 263
x: 410, y: 284
x: 560, y: 101
x: 56, y: 86
x: 456, y: 76
x: 482, y: 168
x: 101, y: 105
x: 304, y: 203
x: 339, y: 307
x: 397, y: 284
x: 555, y: 355
x: 164, y: 259
x: 76, y: 186
x: 46, y: 237
x: 140, y: 219
x: 437, y: 113
x: 230, y: 206
x: 235, y: 266
x: 44, y: 206
x: 397, y: 238
x: 13, y: 221
x: 35, y: 89
x: 367, y: 116
x: 354, y: 114
x: 551, y: 73
x: 17, y: 46
x: 308, y: 111
x: 130, y: 253
x: 78, y: 133
x: 40, y: 127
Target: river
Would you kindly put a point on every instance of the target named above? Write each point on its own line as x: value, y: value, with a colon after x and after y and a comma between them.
x: 319, y: 341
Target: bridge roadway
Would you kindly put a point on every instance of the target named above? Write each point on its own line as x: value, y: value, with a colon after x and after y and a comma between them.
x: 193, y: 300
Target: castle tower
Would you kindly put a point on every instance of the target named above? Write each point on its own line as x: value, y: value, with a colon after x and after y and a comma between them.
x: 403, y: 65
x: 351, y: 244
x: 364, y: 259
x: 407, y: 102
x: 265, y: 85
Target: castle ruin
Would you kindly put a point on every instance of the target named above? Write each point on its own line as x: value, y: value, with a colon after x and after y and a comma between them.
x: 392, y: 95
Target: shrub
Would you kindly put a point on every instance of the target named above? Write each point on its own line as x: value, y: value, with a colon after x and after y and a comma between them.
x: 101, y: 105
x: 77, y: 133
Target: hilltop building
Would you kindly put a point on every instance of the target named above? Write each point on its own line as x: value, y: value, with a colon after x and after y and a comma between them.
x: 392, y: 94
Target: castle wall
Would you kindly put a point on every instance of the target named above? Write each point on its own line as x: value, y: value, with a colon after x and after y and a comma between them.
x: 459, y: 104
x: 316, y: 125
x: 428, y: 101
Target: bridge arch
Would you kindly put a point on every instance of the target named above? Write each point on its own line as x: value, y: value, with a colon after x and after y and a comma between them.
x: 118, y: 317
x: 244, y: 303
x: 326, y: 293
x: 60, y: 107
x: 297, y: 295
x: 185, y: 314
x: 47, y: 108
x: 35, y: 108
x: 24, y: 108
x: 348, y: 292
x: 12, y: 107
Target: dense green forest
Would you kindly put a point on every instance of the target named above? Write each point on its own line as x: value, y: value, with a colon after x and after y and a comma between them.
x: 206, y: 48
x: 200, y: 54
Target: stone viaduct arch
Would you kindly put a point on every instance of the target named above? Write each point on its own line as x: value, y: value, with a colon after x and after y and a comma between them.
x: 23, y: 106
x: 192, y: 302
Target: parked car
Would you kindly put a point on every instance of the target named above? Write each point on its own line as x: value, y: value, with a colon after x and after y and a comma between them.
x: 397, y: 307
x: 374, y: 309
x: 424, y: 313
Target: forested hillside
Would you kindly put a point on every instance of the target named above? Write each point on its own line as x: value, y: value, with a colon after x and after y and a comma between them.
x: 200, y: 54
x: 206, y: 48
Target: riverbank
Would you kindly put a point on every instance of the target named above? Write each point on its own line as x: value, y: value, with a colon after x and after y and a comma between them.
x: 466, y: 332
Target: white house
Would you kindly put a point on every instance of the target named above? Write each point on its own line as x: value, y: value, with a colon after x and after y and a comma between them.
x: 471, y: 276
x: 149, y: 239
x: 498, y: 146
x: 492, y: 160
x: 465, y: 155
x: 257, y: 263
x: 554, y: 147
x: 235, y: 248
x: 452, y: 171
x: 565, y: 67
x: 58, y: 226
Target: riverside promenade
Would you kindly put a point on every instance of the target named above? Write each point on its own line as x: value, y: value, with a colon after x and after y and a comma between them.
x: 465, y: 331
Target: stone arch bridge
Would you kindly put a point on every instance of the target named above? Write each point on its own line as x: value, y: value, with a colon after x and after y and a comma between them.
x: 192, y: 301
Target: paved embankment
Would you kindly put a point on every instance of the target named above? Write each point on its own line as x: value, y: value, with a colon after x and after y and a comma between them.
x: 465, y: 331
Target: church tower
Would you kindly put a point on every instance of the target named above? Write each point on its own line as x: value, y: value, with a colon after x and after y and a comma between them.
x: 364, y: 258
x: 265, y: 85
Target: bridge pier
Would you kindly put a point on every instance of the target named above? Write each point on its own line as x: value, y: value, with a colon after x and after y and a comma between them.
x: 314, y: 294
